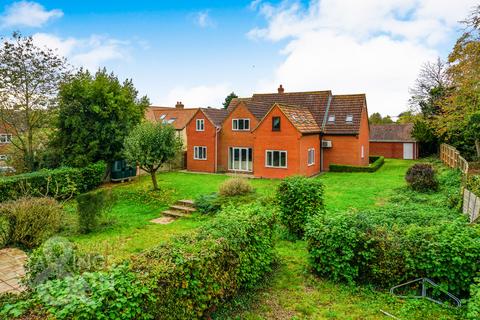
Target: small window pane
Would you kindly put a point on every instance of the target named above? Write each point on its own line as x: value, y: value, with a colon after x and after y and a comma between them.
x: 240, y: 124
x: 275, y: 123
x: 331, y: 118
x: 349, y: 118
x: 247, y: 124
x: 235, y: 124
x: 283, y: 159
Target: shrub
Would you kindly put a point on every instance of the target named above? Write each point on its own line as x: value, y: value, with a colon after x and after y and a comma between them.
x: 376, y: 162
x: 371, y: 249
x: 473, y: 184
x: 191, y: 275
x: 5, y: 231
x: 421, y: 177
x: 57, y: 258
x: 235, y: 187
x: 32, y: 220
x: 208, y: 203
x: 299, y: 199
x: 473, y: 304
x: 59, y: 183
x: 90, y: 208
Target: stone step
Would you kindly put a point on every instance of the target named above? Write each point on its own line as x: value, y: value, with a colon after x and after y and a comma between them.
x: 175, y: 213
x: 185, y: 209
x: 186, y: 203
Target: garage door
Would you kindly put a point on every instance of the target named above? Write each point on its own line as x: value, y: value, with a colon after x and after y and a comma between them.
x: 408, y: 151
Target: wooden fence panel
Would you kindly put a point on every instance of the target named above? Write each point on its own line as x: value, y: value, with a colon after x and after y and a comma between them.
x: 471, y: 205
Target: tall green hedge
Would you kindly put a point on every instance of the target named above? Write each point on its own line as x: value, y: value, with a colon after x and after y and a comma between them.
x: 58, y: 183
x: 376, y: 162
x: 192, y: 275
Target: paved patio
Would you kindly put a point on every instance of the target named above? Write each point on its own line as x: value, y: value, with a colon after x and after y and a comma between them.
x: 11, y: 269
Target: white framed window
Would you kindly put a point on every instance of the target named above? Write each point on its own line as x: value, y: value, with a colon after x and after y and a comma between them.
x: 240, y: 159
x: 349, y: 118
x: 241, y: 124
x: 200, y: 124
x: 163, y: 116
x: 331, y: 118
x: 311, y: 157
x: 5, y: 138
x: 276, y: 159
x: 200, y: 153
x: 3, y: 157
x: 363, y: 152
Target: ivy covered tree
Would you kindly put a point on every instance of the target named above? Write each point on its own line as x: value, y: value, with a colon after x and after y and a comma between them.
x: 150, y: 145
x: 96, y: 113
x: 29, y: 79
x: 228, y: 99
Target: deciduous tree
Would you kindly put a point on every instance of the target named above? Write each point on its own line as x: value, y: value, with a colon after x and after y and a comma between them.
x: 228, y: 99
x: 150, y: 145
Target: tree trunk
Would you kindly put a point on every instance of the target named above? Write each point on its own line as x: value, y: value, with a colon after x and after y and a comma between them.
x: 154, y: 179
x: 477, y: 146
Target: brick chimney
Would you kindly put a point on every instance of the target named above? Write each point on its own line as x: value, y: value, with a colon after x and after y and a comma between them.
x: 281, y: 89
x: 179, y: 105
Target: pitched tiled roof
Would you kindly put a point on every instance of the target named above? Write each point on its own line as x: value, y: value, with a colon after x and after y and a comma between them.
x: 216, y: 115
x: 317, y: 103
x: 342, y: 106
x: 301, y: 118
x: 180, y: 116
x: 391, y: 132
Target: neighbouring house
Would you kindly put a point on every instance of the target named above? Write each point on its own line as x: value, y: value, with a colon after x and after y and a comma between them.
x: 5, y: 140
x: 178, y: 117
x: 393, y: 141
x: 275, y: 135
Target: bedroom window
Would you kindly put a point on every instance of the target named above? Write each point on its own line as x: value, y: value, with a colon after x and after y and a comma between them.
x: 275, y: 123
x: 200, y: 153
x: 241, y: 124
x: 200, y: 124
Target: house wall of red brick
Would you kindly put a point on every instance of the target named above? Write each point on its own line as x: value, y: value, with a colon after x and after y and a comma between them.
x: 307, y: 142
x: 347, y: 149
x: 204, y: 138
x: 391, y: 149
x: 288, y: 139
x: 229, y: 138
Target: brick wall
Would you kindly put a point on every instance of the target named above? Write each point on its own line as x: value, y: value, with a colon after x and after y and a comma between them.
x: 204, y: 138
x: 391, y: 149
x: 229, y: 138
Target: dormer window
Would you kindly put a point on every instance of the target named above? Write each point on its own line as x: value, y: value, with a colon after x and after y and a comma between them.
x: 331, y: 118
x: 241, y: 124
x: 349, y: 119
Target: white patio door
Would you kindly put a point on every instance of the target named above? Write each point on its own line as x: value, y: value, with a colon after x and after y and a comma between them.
x: 408, y: 151
x: 240, y: 159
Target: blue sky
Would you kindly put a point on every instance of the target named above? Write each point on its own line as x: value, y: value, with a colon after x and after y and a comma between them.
x: 199, y: 51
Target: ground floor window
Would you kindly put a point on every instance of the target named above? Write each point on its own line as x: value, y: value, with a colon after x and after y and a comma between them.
x: 276, y: 159
x: 3, y: 157
x: 240, y: 159
x: 311, y: 156
x: 200, y: 153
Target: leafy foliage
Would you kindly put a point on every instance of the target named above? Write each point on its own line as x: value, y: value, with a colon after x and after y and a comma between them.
x: 193, y: 274
x: 96, y: 113
x: 5, y: 231
x: 473, y: 305
x: 235, y: 187
x: 57, y: 258
x: 150, y: 145
x: 473, y: 184
x: 376, y: 118
x: 422, y: 177
x: 299, y: 199
x: 228, y: 99
x: 32, y: 220
x: 61, y: 183
x: 376, y: 162
x: 29, y: 80
x: 91, y: 206
x: 208, y: 203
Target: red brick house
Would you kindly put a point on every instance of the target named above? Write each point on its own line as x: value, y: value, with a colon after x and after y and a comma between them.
x: 280, y: 134
x: 393, y: 141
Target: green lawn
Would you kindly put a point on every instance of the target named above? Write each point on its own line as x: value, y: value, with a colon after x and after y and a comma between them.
x: 291, y: 292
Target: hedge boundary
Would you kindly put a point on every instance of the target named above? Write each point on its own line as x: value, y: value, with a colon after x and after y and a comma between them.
x: 60, y: 183
x: 376, y: 162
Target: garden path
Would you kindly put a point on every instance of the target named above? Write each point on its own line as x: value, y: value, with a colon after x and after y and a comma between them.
x: 12, y: 262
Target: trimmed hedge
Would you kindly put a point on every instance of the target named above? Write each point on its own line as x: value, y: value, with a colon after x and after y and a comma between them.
x: 59, y: 183
x: 372, y: 248
x: 376, y: 162
x: 299, y: 199
x: 193, y: 274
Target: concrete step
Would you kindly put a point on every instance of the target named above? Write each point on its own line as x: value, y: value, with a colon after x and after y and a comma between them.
x: 186, y: 203
x: 175, y: 213
x: 185, y: 209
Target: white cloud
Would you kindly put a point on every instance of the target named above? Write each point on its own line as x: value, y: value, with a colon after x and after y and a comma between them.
x: 203, y: 19
x: 90, y: 53
x: 27, y: 14
x: 198, y: 96
x: 371, y: 46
